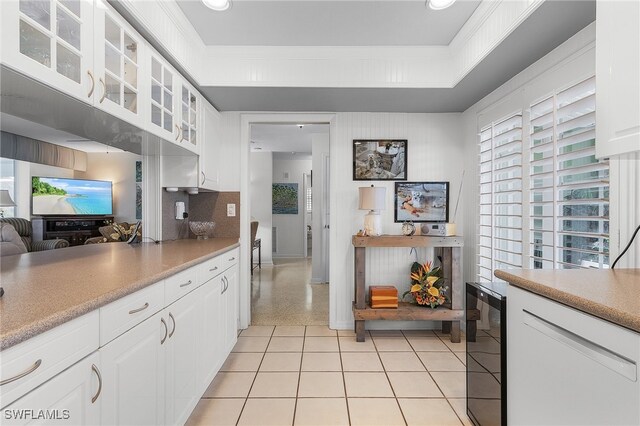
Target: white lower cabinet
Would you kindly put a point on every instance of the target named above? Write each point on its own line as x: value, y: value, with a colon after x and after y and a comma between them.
x: 568, y: 368
x: 211, y: 354
x: 74, y: 396
x: 184, y: 318
x: 133, y: 367
x: 229, y: 308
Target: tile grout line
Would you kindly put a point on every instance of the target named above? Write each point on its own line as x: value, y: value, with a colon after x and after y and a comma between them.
x: 384, y: 369
x: 255, y: 376
x: 465, y: 381
x: 295, y: 405
x: 344, y: 382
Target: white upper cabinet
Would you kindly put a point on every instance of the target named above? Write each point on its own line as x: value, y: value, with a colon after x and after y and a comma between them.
x: 618, y: 77
x: 209, y: 160
x: 162, y: 99
x: 51, y: 41
x: 119, y: 58
x: 189, y: 110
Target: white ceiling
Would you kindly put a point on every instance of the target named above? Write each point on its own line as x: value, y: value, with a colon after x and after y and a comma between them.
x: 286, y: 138
x: 547, y: 27
x: 328, y: 22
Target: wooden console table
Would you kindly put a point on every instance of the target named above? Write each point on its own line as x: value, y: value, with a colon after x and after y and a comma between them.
x: 449, y: 248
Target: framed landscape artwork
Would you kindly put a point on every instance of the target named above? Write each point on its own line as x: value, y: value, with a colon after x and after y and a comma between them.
x: 422, y: 201
x: 285, y: 198
x: 380, y: 159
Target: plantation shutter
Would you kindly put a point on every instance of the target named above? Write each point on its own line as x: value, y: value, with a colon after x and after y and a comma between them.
x: 569, y: 187
x: 500, y: 203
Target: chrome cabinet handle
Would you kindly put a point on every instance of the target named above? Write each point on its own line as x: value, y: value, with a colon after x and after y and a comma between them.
x: 104, y: 89
x: 232, y: 259
x: 203, y: 178
x: 173, y: 320
x: 166, y: 330
x: 224, y: 287
x: 142, y: 308
x: 178, y: 134
x: 95, y: 370
x: 26, y: 372
x: 185, y: 284
x: 213, y: 269
x: 93, y: 83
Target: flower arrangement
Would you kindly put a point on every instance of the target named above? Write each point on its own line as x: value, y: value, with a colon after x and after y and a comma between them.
x: 427, y: 285
x: 122, y: 232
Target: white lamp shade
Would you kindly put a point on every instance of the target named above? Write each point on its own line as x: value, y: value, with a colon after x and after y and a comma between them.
x: 372, y: 198
x: 5, y: 199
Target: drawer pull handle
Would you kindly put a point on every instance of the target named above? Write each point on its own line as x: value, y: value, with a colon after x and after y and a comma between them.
x: 166, y: 330
x: 26, y: 372
x: 140, y: 309
x: 213, y: 269
x: 186, y: 284
x: 173, y: 320
x: 95, y: 370
x: 232, y: 259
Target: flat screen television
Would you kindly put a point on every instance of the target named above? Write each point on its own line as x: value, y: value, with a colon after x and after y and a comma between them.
x: 422, y: 201
x: 70, y: 197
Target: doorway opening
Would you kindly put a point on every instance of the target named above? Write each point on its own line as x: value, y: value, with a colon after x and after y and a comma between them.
x: 288, y: 198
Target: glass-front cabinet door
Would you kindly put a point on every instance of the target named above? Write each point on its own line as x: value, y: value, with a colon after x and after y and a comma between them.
x: 118, y: 58
x: 190, y: 111
x: 51, y: 41
x: 162, y: 101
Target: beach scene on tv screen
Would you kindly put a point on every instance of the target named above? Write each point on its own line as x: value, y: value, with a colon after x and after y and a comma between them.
x: 58, y: 196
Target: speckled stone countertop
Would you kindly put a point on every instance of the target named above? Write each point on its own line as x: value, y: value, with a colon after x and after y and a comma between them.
x: 613, y: 295
x: 48, y: 288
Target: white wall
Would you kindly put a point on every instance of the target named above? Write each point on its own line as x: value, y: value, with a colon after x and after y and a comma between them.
x: 319, y: 149
x: 435, y: 152
x: 261, y: 172
x: 119, y: 168
x: 290, y: 232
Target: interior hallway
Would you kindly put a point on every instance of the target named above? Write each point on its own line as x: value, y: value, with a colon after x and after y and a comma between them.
x: 283, y: 295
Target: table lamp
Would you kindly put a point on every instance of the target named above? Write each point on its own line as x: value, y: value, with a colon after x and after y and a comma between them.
x: 372, y: 199
x: 5, y: 201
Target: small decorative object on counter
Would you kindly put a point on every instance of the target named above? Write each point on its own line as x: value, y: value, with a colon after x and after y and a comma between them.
x: 383, y: 296
x: 427, y: 285
x: 202, y: 230
x: 408, y: 228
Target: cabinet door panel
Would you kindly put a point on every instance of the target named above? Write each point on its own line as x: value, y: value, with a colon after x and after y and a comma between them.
x: 231, y: 308
x: 133, y: 375
x: 184, y: 319
x: 51, y: 41
x: 65, y: 399
x: 211, y: 355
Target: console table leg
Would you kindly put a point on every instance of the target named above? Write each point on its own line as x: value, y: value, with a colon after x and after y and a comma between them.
x: 446, y: 327
x: 359, y: 331
x: 455, y: 332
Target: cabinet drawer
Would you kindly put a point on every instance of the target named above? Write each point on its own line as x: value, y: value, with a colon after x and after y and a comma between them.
x: 179, y: 284
x: 209, y: 269
x: 122, y: 315
x: 35, y: 361
x: 230, y: 258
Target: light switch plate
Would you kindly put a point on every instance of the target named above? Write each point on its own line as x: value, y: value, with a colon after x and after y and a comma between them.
x: 231, y: 210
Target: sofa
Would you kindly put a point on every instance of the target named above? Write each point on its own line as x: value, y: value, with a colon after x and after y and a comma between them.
x: 25, y: 231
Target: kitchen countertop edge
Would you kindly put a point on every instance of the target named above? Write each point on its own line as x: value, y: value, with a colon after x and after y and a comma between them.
x: 28, y: 331
x: 590, y: 307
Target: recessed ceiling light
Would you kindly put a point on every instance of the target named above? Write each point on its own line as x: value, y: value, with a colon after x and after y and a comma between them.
x: 218, y: 5
x: 439, y: 4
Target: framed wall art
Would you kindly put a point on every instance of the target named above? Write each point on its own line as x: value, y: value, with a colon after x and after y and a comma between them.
x: 379, y: 159
x: 421, y: 201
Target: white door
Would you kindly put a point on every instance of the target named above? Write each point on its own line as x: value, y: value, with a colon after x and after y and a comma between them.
x: 72, y: 397
x: 184, y: 321
x: 212, y: 334
x: 326, y: 216
x: 231, y: 302
x: 133, y: 375
x: 52, y: 42
x: 209, y: 148
x: 119, y: 53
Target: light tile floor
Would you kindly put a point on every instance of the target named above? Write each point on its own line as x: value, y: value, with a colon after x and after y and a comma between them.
x: 296, y: 375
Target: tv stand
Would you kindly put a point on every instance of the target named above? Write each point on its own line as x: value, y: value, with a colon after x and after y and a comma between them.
x: 74, y: 229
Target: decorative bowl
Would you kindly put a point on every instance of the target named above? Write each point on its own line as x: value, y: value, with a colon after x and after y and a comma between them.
x: 202, y: 230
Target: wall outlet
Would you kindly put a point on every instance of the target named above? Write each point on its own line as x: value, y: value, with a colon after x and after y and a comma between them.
x: 231, y: 210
